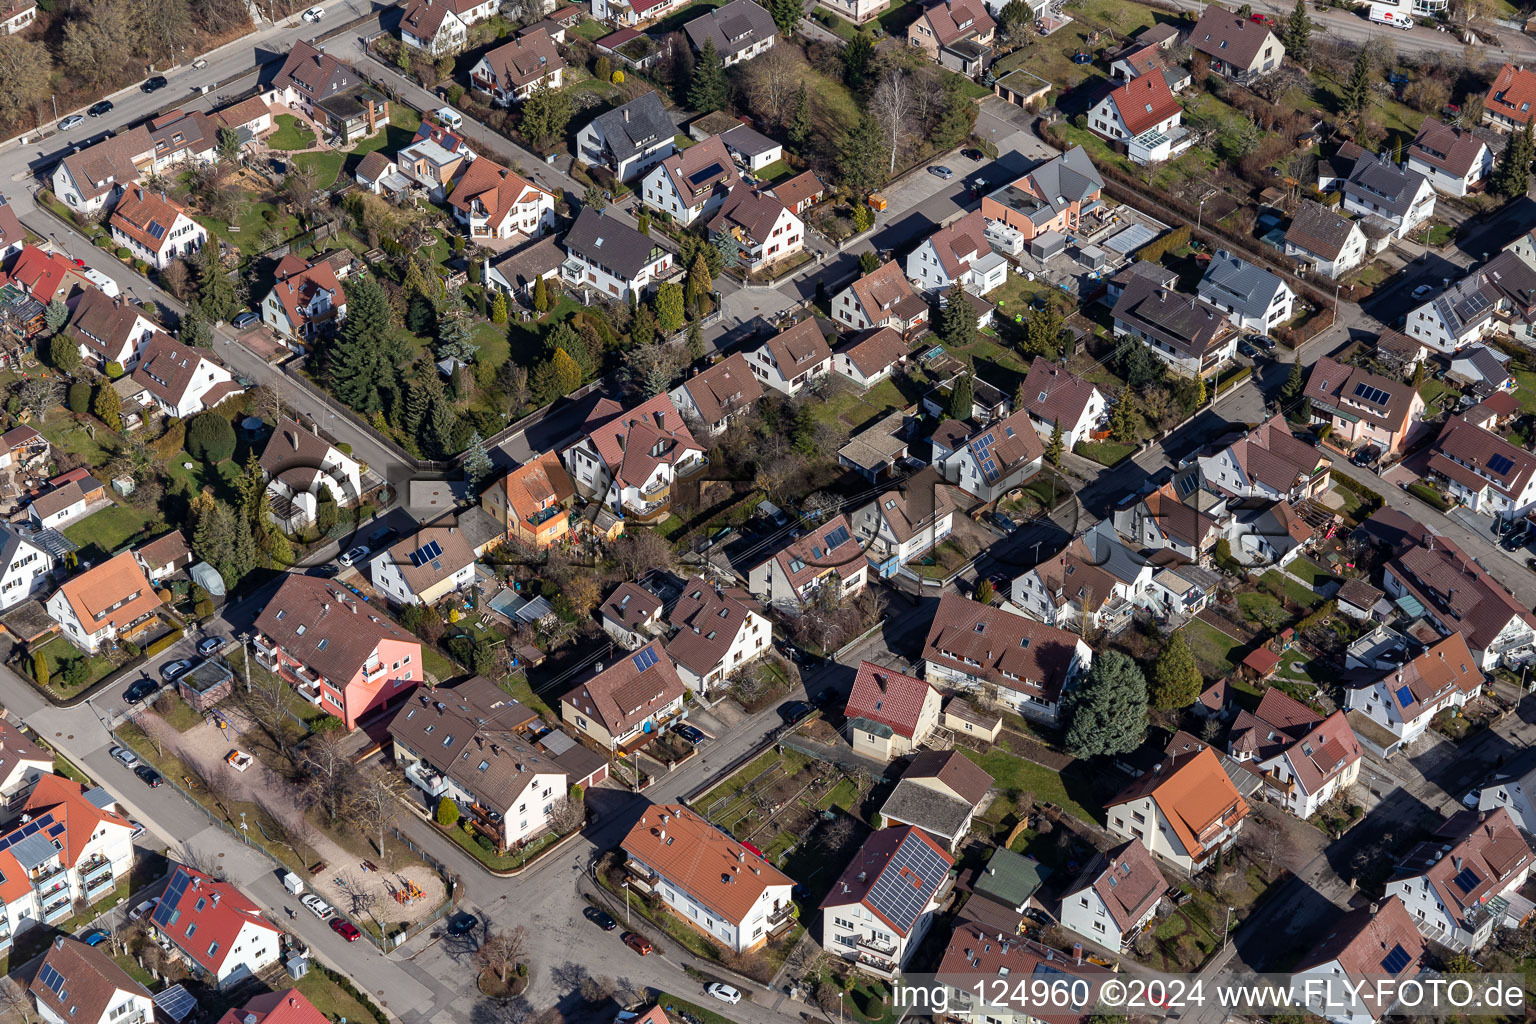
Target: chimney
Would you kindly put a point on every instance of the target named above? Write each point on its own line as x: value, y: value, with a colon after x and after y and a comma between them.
x: 626, y: 115
x: 1077, y: 951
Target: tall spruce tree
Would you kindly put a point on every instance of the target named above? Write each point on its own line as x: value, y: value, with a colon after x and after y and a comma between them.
x: 1512, y: 177
x: 800, y: 125
x: 1298, y: 33
x: 1056, y: 446
x: 1107, y: 714
x: 962, y: 396
x: 1357, y: 89
x: 1176, y: 677
x: 360, y: 365
x: 709, y: 90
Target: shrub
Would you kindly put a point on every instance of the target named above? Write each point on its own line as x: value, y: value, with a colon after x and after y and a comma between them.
x: 344, y: 448
x: 455, y: 93
x: 204, y: 609
x: 79, y: 399
x: 447, y: 812
x: 114, y: 370
x: 122, y: 253
x: 210, y: 437
x: 618, y: 78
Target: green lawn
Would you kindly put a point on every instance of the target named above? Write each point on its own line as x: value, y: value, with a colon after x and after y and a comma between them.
x: 1262, y: 609
x: 1213, y: 648
x: 1015, y: 773
x: 1105, y: 453
x: 843, y: 795
x: 1296, y: 592
x: 329, y: 999
x: 326, y: 165
x: 65, y: 434
x: 245, y: 232
x: 221, y: 478
x: 61, y: 654
x: 774, y: 172
x: 1526, y: 393
x: 291, y: 134
x: 1310, y: 571
x: 100, y: 535
x: 591, y: 30
x: 859, y: 409
x: 435, y: 662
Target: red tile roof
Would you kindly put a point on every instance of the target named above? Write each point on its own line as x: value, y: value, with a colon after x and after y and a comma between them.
x: 297, y: 281
x: 953, y: 770
x: 725, y: 388
x: 702, y: 861
x: 487, y: 185
x: 1512, y: 94
x: 1127, y: 879
x: 215, y: 911
x: 1361, y: 942
x: 906, y: 858
x: 1193, y: 793
x: 977, y: 957
x: 147, y: 217
x: 1487, y: 852
x: 1145, y: 102
x: 888, y: 697
x: 115, y: 592
x: 286, y: 1007
x: 629, y: 441
x: 66, y: 801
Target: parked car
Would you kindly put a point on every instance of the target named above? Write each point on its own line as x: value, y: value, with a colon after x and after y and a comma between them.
x: 72, y: 121
x: 1262, y: 341
x: 1422, y: 290
x: 1369, y: 455
x: 940, y: 171
x: 149, y: 776
x: 724, y: 993
x: 200, y: 63
x: 103, y: 107
x: 154, y: 84
x: 689, y: 733
x: 973, y: 154
x: 346, y: 929
x: 601, y: 918
x: 1530, y: 563
x: 354, y: 556
x: 323, y: 572
x: 245, y: 320
x: 1248, y: 350
x: 171, y: 669
x: 138, y: 828
x: 95, y: 937
x: 315, y: 905
x: 462, y: 924
x: 795, y: 711
x: 314, y: 14
x: 128, y: 758
x: 1004, y: 522
x: 143, y: 908
x: 139, y: 689
x: 639, y: 943
x: 210, y: 645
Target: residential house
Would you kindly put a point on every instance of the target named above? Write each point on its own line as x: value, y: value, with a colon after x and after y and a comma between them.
x: 330, y: 93
x: 1486, y: 368
x: 1392, y: 708
x: 905, y: 522
x: 16, y: 15
x: 494, y: 203
x: 1115, y: 896
x: 740, y: 31
x: 1095, y: 576
x: 718, y: 631
x: 110, y: 601
x: 1269, y: 536
x: 516, y: 273
x: 695, y: 182
x: 630, y: 459
x: 939, y: 792
x: 424, y: 567
x: 877, y: 451
x: 1398, y: 352
x: 793, y: 358
x: 889, y: 714
x: 1239, y: 48
x: 1511, y: 790
x: 532, y: 502
x: 827, y: 556
x: 1485, y: 472
x: 1458, y: 596
x: 632, y: 615
x: 629, y: 140
x: 857, y: 11
x: 1003, y: 889
x: 1331, y: 244
x: 81, y: 984
x: 24, y: 569
x: 710, y: 399
x: 164, y: 556
x: 435, y: 158
x: 1055, y: 398
x: 1399, y: 198
x: 440, y: 28
x: 1359, y: 600
x: 285, y: 1007
x: 216, y: 927
x: 1363, y: 407
x: 1507, y: 107
x: 298, y: 465
x: 756, y: 229
x: 713, y: 883
x: 95, y: 177
x: 976, y: 958
x: 22, y: 764
x: 871, y: 356
x: 1145, y: 117
x: 1051, y: 198
x: 632, y: 12
x: 1365, y: 947
x: 380, y: 175
x: 612, y: 258
x: 1305, y: 759
x: 958, y: 254
x: 44, y: 276
x: 249, y: 119
x: 68, y: 847
x: 474, y: 745
x: 178, y: 380
x: 972, y: 646
x: 1185, y: 810
x: 961, y: 716
x: 64, y: 503
x: 956, y: 34
x: 1481, y: 304
x: 881, y: 298
x: 623, y: 706
x: 154, y: 228
x: 1187, y: 527
x: 13, y: 236
x: 1142, y: 56
x: 1454, y: 160
x: 1181, y: 590
x: 996, y: 459
x: 799, y: 193
x: 1191, y: 336
x: 23, y: 448
x: 881, y: 908
x: 109, y: 330
x: 1267, y: 462
x: 342, y: 655
x: 1456, y: 897
x: 1253, y: 298
x: 306, y: 300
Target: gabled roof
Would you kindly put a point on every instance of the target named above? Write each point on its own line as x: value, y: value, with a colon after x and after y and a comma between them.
x: 1512, y: 93
x: 629, y: 690
x: 895, y: 875
x: 165, y: 550
x: 751, y: 211
x: 953, y: 20
x: 1053, y: 394
x: 1383, y: 184
x: 610, y: 242
x: 204, y: 917
x: 487, y: 185
x: 429, y: 556
x: 1479, y: 458
x: 1193, y: 793
x: 886, y: 290
x: 1316, y: 749
x: 1187, y: 325
x: 525, y: 59
x: 978, y: 955
x: 1319, y: 230
x: 1420, y: 684
x: 798, y: 348
x: 12, y: 233
x: 1007, y: 650
x: 314, y: 73
x: 80, y: 982
x: 536, y: 486
x: 41, y: 273
x: 1127, y: 879
x: 298, y: 282
x: 323, y: 626
x: 73, y: 819
x: 737, y: 26
x: 1271, y: 455
x: 1356, y: 393
x: 1229, y: 37
x: 702, y: 170
x: 295, y: 455
x: 724, y: 388
x: 630, y: 605
x: 1232, y: 281
x: 1487, y: 851
x: 1371, y: 943
x: 168, y: 367
x: 105, y: 324
x: 236, y: 115
x: 708, y: 618
x: 888, y: 697
x: 798, y: 189
x: 632, y: 443
x: 1449, y: 149
x: 287, y: 1007
x: 147, y: 217
x: 918, y: 502
x: 1145, y: 102
x: 110, y: 163
x: 952, y: 770
x: 830, y: 547
x: 115, y: 592
x: 640, y: 125
x: 702, y: 861
x: 958, y: 243
x: 1486, y: 363
x: 1005, y: 447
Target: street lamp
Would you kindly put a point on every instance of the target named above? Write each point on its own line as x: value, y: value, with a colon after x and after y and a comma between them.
x: 1200, y: 217
x: 839, y: 1008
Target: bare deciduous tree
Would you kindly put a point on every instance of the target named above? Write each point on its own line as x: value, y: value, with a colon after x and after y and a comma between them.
x: 378, y: 798
x: 501, y: 952
x: 772, y: 81
x: 329, y: 778
x: 566, y: 816
x: 14, y: 1001
x: 892, y: 105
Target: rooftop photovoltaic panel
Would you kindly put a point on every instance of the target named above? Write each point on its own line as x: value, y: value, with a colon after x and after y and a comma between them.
x: 837, y: 537
x: 30, y: 828
x: 1396, y: 960
x: 155, y: 229
x: 52, y: 978
x: 1501, y: 464
x: 426, y: 553
x: 172, y: 898
x: 1404, y: 696
x: 908, y: 882
x: 1375, y: 396
x: 707, y: 175
x: 1466, y: 881
x: 645, y: 659
x: 1059, y: 980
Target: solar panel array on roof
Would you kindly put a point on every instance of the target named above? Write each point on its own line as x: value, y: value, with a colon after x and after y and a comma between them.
x: 1466, y: 880
x: 155, y: 229
x: 837, y: 537
x: 1404, y: 696
x: 30, y: 828
x: 1501, y: 464
x: 175, y: 1001
x: 645, y: 659
x: 908, y: 882
x: 53, y: 979
x: 426, y: 553
x: 1059, y: 981
x: 1396, y: 960
x: 1375, y: 396
x: 165, y: 910
x: 707, y: 176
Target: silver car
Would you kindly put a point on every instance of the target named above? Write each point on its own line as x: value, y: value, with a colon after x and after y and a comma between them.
x: 126, y: 757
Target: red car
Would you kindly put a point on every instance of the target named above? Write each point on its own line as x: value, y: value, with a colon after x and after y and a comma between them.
x: 77, y: 261
x: 346, y: 929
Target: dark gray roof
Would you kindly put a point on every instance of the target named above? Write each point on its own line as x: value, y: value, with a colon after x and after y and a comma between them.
x: 521, y: 267
x: 1383, y: 184
x: 914, y: 804
x: 1234, y: 282
x: 1111, y: 554
x: 746, y: 139
x: 610, y: 242
x: 636, y: 126
x: 1483, y: 361
x: 1182, y: 322
x: 734, y: 27
x: 1319, y: 230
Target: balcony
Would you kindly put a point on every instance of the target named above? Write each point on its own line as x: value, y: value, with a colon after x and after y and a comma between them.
x: 47, y: 879
x: 371, y: 672
x: 427, y: 779
x: 310, y: 692
x: 90, y: 873
x: 688, y: 467
x: 267, y: 653
x: 877, y: 947
x: 55, y: 912
x: 99, y: 888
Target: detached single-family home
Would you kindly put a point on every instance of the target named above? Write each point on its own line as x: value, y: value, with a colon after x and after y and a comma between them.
x: 1393, y: 708
x: 713, y: 883
x: 216, y: 927
x: 1489, y: 300
x: 693, y: 183
x: 630, y: 459
x: 827, y: 556
x: 905, y: 523
x: 712, y: 398
x: 434, y: 158
x: 632, y: 12
x: 329, y: 92
x: 890, y: 714
x: 155, y: 228
x: 612, y: 258
x: 532, y: 502
x: 799, y: 193
x: 517, y: 272
x: 624, y: 706
x: 1363, y: 407
x: 881, y: 298
x: 177, y: 379
x: 441, y: 27
x: 494, y: 203
x: 975, y: 958
x: 972, y: 646
x: 1239, y: 48
x: 105, y: 603
x: 424, y: 567
x: 1401, y: 199
x: 1507, y: 107
x: 1096, y: 575
x: 740, y: 31
x: 109, y: 330
x: 1191, y: 336
x: 1184, y: 810
x: 80, y: 984
x: 1378, y: 943
x: 1454, y: 160
x: 1051, y: 198
x: 793, y: 358
x: 755, y: 229
x: 1144, y: 116
x: 93, y: 178
x: 881, y: 908
x: 281, y: 1007
x: 939, y: 792
x: 958, y: 253
x: 164, y: 556
x: 22, y: 764
x: 380, y: 175
x: 298, y: 464
x: 16, y: 15
x: 1114, y: 897
x: 995, y: 459
x: 1483, y: 470
x: 342, y: 655
x: 306, y: 300
x: 629, y: 140
x: 1253, y: 298
x: 1054, y: 397
x: 514, y: 69
x: 1458, y: 896
x: 1331, y: 244
x: 956, y: 34
x: 632, y: 615
x: 871, y: 356
x: 1305, y: 760
x: 718, y: 630
x: 249, y: 119
x: 1267, y: 462
x: 1486, y: 368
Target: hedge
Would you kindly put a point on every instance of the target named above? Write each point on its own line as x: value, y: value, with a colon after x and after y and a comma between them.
x: 162, y: 644
x: 1427, y: 494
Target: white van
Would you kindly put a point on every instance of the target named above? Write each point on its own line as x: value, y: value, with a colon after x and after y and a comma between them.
x: 1383, y: 15
x: 449, y: 117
